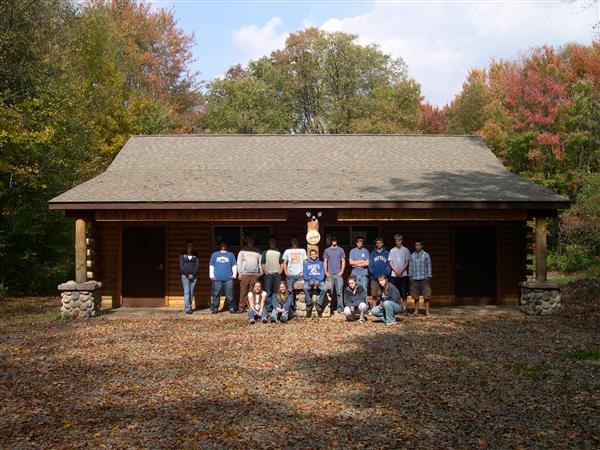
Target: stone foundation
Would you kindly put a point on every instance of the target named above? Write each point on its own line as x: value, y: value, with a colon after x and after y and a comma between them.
x: 539, y: 297
x: 301, y: 310
x: 80, y: 300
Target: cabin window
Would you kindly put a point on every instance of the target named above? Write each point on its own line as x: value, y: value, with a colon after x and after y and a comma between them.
x: 234, y: 235
x: 347, y: 234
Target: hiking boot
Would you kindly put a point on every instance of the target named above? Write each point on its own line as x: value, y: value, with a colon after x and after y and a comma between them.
x: 265, y: 321
x: 214, y: 311
x: 252, y: 321
x: 319, y: 310
x: 392, y: 323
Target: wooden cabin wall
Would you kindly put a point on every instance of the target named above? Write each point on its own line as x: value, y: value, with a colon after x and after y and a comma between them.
x: 106, y: 260
x: 512, y: 260
x: 437, y: 237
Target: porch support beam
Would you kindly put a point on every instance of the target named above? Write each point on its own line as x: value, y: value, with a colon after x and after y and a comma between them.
x: 541, y: 250
x: 80, y: 251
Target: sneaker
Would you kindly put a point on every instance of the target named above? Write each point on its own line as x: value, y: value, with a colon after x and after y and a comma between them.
x: 273, y: 319
x: 283, y: 320
x: 252, y: 321
x: 391, y: 323
x: 188, y: 312
x: 213, y: 311
x: 362, y: 319
x: 233, y: 311
x: 265, y: 321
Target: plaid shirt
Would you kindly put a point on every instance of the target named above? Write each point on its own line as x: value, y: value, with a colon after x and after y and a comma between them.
x: 419, y: 267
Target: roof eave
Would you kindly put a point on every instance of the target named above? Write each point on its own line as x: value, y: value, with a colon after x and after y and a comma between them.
x: 520, y: 205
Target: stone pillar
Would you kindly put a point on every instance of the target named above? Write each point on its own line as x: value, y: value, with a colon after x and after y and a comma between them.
x: 80, y: 300
x: 301, y: 309
x: 539, y: 297
x: 80, y: 251
x: 541, y: 252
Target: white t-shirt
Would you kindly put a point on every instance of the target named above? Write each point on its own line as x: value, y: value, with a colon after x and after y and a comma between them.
x: 295, y: 258
x: 399, y: 256
x: 255, y: 299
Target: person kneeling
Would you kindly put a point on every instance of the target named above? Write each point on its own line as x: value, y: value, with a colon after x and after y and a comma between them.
x: 389, y: 302
x: 314, y: 274
x: 355, y: 300
x: 256, y: 303
x: 281, y: 301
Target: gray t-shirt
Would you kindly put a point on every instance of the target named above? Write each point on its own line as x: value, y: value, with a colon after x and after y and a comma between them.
x: 334, y: 258
x: 399, y: 256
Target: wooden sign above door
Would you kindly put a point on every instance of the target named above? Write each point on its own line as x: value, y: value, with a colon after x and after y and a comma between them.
x: 359, y: 215
x: 216, y: 215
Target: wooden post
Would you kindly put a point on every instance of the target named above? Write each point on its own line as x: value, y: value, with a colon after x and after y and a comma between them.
x: 80, y: 251
x: 312, y: 236
x: 540, y: 249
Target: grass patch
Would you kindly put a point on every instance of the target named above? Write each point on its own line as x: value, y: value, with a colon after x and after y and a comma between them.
x: 585, y: 355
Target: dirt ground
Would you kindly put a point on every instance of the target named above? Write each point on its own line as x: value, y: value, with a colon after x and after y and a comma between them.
x: 489, y: 381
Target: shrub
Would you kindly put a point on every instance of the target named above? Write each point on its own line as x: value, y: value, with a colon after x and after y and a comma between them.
x: 3, y: 291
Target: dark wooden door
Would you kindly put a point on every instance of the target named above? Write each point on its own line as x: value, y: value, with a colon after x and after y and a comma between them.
x: 475, y: 265
x: 143, y: 266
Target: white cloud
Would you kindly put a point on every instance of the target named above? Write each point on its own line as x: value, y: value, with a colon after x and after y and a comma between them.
x: 253, y: 41
x: 441, y: 41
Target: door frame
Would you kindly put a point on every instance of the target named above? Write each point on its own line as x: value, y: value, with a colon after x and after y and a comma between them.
x: 162, y: 225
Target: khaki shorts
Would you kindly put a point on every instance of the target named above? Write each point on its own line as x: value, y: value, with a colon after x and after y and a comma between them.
x: 420, y: 288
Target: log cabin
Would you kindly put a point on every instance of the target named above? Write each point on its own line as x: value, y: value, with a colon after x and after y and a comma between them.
x: 451, y: 192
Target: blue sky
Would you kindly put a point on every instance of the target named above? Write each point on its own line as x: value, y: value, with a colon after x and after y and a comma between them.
x: 440, y: 40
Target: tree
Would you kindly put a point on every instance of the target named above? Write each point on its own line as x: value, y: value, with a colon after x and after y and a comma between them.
x: 319, y: 82
x: 466, y: 113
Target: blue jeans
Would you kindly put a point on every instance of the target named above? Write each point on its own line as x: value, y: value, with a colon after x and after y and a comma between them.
x: 271, y: 284
x: 227, y: 287
x: 322, y: 287
x: 284, y: 316
x: 362, y: 280
x: 289, y: 281
x: 252, y: 314
x: 337, y: 283
x: 188, y: 292
x: 388, y: 312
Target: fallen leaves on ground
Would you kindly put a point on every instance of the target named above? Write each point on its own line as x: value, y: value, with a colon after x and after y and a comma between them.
x: 474, y: 382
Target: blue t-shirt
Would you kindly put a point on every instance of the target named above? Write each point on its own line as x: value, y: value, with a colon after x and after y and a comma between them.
x: 359, y: 254
x: 334, y: 258
x: 223, y: 263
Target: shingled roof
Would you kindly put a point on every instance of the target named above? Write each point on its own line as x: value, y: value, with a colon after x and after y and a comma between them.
x: 305, y: 168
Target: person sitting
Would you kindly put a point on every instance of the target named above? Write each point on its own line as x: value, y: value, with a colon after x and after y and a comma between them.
x: 281, y: 302
x: 256, y: 303
x: 389, y: 303
x: 314, y: 274
x: 355, y: 300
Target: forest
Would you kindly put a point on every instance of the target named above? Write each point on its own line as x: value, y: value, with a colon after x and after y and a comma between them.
x: 77, y: 79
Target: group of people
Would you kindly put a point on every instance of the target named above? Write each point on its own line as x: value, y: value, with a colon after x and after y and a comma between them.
x: 269, y: 297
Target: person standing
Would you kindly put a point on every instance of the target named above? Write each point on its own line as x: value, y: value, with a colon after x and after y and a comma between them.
x: 314, y: 274
x: 222, y: 270
x: 359, y: 261
x: 249, y: 269
x: 281, y: 302
x: 334, y: 260
x: 399, y: 258
x: 389, y: 303
x: 189, y: 265
x: 256, y: 300
x: 271, y: 261
x: 419, y: 271
x: 293, y: 264
x: 355, y: 300
x: 378, y: 265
